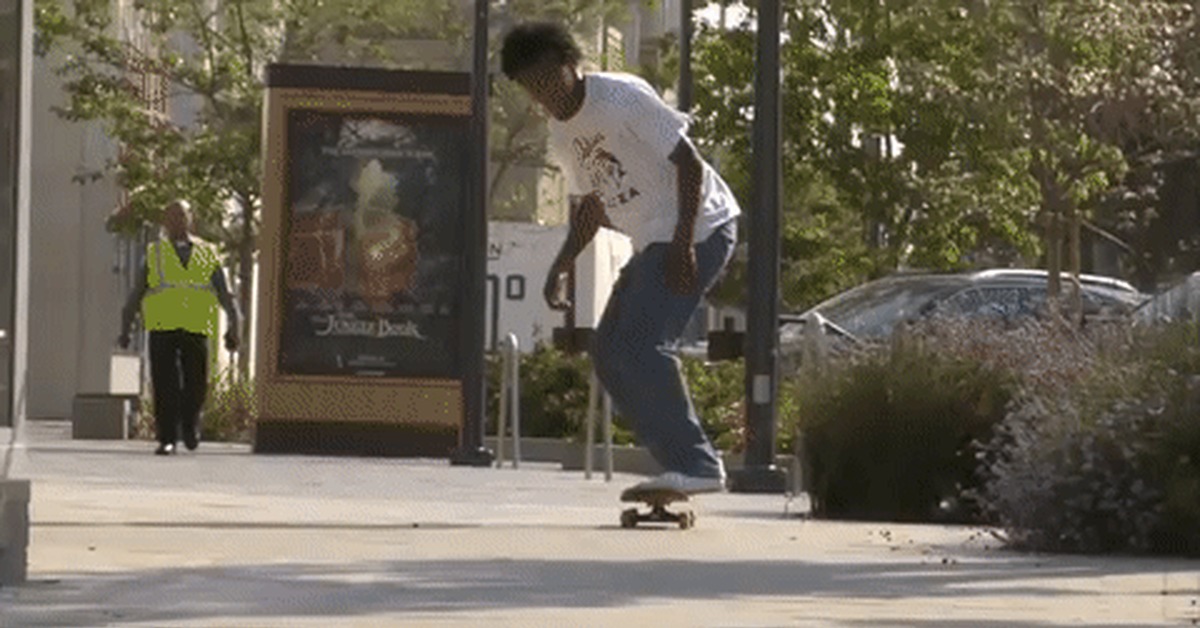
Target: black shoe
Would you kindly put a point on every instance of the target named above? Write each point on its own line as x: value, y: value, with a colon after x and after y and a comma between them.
x: 165, y: 449
x: 191, y: 440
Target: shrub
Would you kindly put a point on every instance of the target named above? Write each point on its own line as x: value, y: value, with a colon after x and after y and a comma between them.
x: 1111, y: 464
x: 143, y: 427
x: 1176, y: 466
x: 889, y: 430
x: 554, y: 392
x: 554, y: 395
x: 230, y: 410
x: 718, y: 394
x: 228, y: 415
x: 1062, y: 485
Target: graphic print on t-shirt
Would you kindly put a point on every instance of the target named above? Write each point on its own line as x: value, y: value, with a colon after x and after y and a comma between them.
x: 603, y: 170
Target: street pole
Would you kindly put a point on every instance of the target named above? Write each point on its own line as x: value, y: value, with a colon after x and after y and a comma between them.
x: 760, y: 475
x: 471, y: 451
x: 685, y: 55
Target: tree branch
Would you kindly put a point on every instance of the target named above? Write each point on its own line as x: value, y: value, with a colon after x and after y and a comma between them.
x: 247, y: 50
x: 509, y: 141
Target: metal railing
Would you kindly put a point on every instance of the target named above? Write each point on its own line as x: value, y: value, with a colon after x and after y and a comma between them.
x: 596, y: 397
x: 599, y: 401
x: 510, y: 386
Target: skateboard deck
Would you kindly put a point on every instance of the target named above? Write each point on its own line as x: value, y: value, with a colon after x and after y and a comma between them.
x: 657, y: 500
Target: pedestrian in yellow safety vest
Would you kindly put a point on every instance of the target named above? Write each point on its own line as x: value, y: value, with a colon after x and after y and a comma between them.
x: 181, y: 288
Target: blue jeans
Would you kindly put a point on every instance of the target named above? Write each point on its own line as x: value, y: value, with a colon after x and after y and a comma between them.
x: 634, y: 353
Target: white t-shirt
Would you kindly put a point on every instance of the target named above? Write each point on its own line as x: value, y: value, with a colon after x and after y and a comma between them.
x: 619, y: 144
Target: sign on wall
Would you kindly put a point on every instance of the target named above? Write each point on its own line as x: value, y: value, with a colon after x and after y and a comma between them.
x: 373, y: 244
x: 361, y: 294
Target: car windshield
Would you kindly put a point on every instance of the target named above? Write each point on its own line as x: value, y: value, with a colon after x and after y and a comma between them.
x: 872, y: 309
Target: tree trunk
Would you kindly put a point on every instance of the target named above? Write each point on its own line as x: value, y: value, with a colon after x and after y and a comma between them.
x: 245, y: 287
x: 1054, y: 260
x: 1074, y: 260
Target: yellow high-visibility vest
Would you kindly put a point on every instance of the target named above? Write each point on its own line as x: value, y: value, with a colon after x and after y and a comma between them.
x: 180, y: 297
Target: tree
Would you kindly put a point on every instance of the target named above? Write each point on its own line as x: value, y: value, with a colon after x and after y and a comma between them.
x: 1155, y: 122
x: 209, y: 55
x: 1095, y: 89
x: 949, y: 133
x: 1049, y: 102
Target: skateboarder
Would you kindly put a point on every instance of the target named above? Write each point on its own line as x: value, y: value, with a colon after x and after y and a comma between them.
x: 631, y: 167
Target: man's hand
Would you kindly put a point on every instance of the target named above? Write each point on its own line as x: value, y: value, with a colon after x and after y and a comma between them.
x: 123, y: 340
x: 556, y: 281
x: 681, y: 267
x: 231, y: 340
x: 587, y: 216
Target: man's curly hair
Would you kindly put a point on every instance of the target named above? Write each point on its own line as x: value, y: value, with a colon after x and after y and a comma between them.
x: 529, y: 43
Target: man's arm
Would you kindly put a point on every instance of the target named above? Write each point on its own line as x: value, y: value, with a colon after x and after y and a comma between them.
x: 224, y: 298
x: 682, y: 273
x: 690, y: 173
x: 586, y: 219
x: 134, y: 302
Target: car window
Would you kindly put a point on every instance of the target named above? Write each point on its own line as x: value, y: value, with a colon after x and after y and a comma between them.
x: 1107, y: 303
x: 1010, y: 301
x: 995, y: 301
x: 874, y: 308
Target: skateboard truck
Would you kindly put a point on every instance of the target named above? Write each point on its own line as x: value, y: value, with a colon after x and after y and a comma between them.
x: 658, y: 501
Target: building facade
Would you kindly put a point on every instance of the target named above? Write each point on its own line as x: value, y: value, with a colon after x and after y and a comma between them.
x: 16, y: 34
x: 82, y: 273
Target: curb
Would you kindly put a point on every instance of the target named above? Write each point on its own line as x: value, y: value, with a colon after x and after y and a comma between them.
x: 14, y: 531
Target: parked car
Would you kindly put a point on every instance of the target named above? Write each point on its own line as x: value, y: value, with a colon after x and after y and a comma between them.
x: 872, y: 310
x: 1178, y: 303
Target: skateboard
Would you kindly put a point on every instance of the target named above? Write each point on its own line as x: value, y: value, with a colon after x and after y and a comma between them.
x: 657, y: 499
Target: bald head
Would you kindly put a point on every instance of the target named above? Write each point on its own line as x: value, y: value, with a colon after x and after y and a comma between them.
x: 177, y: 219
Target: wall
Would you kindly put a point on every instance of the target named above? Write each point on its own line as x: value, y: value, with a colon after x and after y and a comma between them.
x: 75, y: 298
x: 76, y: 295
x: 519, y: 256
x: 598, y: 269
x: 16, y: 142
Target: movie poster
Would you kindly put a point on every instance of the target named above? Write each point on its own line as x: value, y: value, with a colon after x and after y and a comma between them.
x: 372, y: 244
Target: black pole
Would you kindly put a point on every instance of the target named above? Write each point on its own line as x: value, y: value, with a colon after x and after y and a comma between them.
x: 760, y: 474
x: 471, y: 451
x: 685, y: 55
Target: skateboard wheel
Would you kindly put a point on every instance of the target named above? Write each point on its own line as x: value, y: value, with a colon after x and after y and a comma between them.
x: 687, y: 520
x: 629, y: 519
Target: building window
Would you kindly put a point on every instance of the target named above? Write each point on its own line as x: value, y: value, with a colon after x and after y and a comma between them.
x: 514, y: 287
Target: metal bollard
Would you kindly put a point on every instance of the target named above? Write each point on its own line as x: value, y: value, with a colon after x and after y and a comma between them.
x: 515, y: 357
x: 608, y: 438
x: 510, y: 384
x: 501, y: 428
x: 598, y: 401
x: 589, y: 440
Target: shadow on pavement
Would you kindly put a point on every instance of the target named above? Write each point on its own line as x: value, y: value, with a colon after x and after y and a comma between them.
x: 258, y: 593
x: 261, y: 525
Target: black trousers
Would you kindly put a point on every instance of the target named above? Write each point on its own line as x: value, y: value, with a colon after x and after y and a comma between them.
x: 179, y: 376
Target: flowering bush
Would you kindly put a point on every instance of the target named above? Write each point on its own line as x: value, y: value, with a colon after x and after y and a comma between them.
x: 228, y: 415
x: 554, y: 396
x: 1108, y: 462
x: 554, y: 392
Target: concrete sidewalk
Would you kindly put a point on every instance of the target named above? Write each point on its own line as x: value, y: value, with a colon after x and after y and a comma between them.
x: 225, y: 538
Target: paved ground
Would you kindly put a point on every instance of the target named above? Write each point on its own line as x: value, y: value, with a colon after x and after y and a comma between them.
x: 225, y: 538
